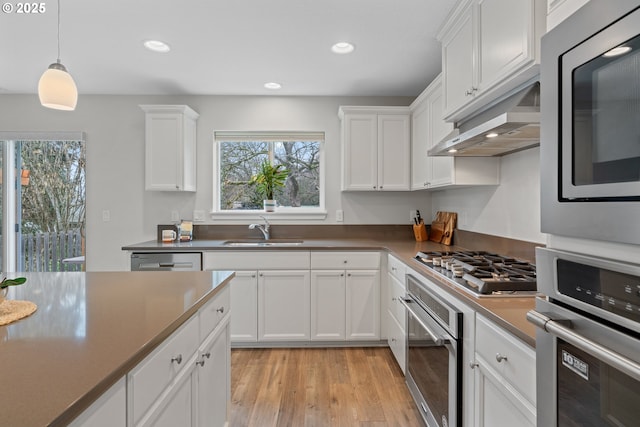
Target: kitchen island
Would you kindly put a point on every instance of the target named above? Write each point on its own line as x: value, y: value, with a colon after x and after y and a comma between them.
x: 88, y: 332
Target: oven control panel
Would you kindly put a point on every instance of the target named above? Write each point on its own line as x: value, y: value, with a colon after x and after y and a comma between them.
x: 609, y: 290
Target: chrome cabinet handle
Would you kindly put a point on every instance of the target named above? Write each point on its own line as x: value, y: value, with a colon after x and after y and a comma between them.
x: 560, y: 329
x: 201, y: 362
x: 473, y: 365
x: 220, y: 310
x: 500, y: 357
x: 177, y: 359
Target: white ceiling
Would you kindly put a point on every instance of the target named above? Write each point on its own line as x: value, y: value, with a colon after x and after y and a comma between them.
x: 229, y: 47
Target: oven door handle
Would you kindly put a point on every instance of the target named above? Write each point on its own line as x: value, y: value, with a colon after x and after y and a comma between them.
x: 438, y: 340
x: 606, y: 355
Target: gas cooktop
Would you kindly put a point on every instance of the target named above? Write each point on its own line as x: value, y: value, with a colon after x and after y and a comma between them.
x: 483, y: 274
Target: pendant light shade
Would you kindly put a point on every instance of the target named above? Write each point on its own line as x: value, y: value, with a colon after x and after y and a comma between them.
x: 56, y: 88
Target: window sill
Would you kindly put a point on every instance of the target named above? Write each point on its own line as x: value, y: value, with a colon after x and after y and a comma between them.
x: 279, y: 214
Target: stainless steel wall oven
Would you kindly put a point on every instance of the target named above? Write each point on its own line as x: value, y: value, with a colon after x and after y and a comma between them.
x: 434, y: 353
x: 588, y: 341
x: 590, y: 124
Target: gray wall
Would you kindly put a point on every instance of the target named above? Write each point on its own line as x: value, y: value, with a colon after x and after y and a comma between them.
x: 114, y: 127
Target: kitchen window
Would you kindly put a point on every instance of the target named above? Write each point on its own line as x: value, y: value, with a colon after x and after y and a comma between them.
x: 237, y: 158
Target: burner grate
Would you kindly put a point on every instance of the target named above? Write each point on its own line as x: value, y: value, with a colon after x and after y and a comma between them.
x: 483, y: 272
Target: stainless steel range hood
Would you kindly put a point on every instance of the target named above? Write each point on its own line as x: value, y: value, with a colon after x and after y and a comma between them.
x: 510, y: 125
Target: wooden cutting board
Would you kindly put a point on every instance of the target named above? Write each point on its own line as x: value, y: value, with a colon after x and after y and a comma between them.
x: 442, y: 227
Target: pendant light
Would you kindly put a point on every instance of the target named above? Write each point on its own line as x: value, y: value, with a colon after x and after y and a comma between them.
x: 56, y: 88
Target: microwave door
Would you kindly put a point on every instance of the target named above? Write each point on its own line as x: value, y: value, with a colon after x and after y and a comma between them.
x: 600, y: 130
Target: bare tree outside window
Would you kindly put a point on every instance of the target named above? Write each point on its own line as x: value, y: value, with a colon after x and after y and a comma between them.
x: 240, y: 160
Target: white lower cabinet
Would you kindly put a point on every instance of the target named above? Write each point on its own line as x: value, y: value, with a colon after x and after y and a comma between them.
x: 302, y: 295
x: 244, y: 304
x: 213, y: 380
x: 186, y: 380
x: 345, y: 290
x: 505, y: 378
x: 283, y: 305
x: 396, y: 313
x: 363, y: 305
x: 329, y: 307
x: 110, y: 410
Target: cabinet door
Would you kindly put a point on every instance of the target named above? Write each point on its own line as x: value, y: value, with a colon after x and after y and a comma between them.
x: 363, y: 304
x: 283, y: 305
x: 177, y: 409
x: 420, y: 146
x: 440, y: 168
x: 244, y: 305
x: 359, y: 152
x: 394, y: 152
x: 328, y: 309
x: 458, y: 63
x: 213, y: 380
x: 497, y: 405
x: 110, y: 410
x: 506, y: 39
x: 170, y: 148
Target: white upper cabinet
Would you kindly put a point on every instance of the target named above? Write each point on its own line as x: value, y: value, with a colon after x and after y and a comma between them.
x: 375, y: 148
x: 427, y: 129
x: 489, y: 47
x: 170, y: 147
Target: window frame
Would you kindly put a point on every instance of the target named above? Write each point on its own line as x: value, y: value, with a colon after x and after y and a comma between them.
x: 282, y: 212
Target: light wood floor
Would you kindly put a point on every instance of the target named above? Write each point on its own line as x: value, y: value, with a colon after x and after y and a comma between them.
x: 319, y: 387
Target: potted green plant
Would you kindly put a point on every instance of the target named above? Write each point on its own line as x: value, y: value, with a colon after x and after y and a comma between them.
x: 266, y: 180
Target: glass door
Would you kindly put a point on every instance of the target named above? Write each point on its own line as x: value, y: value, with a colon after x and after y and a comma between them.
x: 43, y: 204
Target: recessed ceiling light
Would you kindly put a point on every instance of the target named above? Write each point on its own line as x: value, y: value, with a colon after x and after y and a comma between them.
x: 157, y: 46
x: 272, y: 85
x: 491, y: 135
x: 620, y: 50
x: 342, y: 48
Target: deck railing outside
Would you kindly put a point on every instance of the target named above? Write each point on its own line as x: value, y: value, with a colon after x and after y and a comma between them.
x: 46, y: 251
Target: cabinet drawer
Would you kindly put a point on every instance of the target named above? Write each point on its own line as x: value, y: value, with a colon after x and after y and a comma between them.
x: 211, y: 314
x: 345, y: 260
x: 258, y: 260
x: 397, y: 342
x: 519, y: 366
x: 396, y: 291
x: 396, y: 268
x: 147, y: 380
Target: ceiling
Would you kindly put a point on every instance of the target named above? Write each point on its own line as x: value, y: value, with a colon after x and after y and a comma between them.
x: 228, y: 47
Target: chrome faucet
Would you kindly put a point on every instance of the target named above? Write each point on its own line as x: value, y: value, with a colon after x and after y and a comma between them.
x: 264, y: 228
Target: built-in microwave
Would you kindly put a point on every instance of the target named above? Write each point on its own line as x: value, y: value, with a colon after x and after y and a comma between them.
x: 590, y: 124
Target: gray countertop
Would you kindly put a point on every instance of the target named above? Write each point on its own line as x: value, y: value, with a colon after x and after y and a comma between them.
x: 509, y: 312
x: 89, y: 330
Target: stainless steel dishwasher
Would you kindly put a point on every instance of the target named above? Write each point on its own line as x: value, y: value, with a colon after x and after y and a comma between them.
x: 166, y: 261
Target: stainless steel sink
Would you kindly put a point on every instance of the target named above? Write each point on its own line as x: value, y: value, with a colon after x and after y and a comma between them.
x: 262, y: 243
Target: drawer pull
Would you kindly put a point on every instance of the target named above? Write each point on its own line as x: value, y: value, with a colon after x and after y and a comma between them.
x: 473, y: 365
x: 177, y: 359
x: 201, y: 362
x: 500, y: 357
x: 220, y: 310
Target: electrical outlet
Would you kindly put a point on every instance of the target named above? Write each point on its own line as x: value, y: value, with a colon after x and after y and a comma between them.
x: 339, y: 215
x: 106, y: 215
x: 198, y: 215
x: 175, y: 216
x: 412, y: 215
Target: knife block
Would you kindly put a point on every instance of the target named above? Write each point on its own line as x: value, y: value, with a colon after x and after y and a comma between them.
x: 420, y: 232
